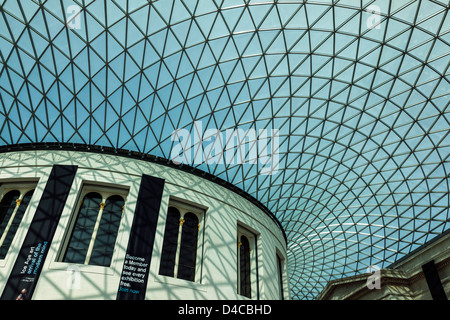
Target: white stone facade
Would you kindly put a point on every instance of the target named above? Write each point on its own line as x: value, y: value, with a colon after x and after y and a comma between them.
x: 223, y: 211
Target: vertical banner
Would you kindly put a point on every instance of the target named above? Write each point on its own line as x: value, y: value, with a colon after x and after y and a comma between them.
x: 27, y: 268
x: 434, y: 281
x: 133, y: 280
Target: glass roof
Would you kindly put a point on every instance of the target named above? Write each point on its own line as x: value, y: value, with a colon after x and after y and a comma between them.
x: 352, y: 96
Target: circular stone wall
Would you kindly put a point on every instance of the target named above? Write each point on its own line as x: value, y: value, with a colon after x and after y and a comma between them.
x: 102, y: 226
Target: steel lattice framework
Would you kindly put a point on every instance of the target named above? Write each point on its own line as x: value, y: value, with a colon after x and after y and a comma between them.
x: 358, y: 89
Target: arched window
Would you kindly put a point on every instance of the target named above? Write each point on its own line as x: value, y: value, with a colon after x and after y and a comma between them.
x: 180, y: 246
x: 10, y: 223
x: 244, y: 267
x: 247, y: 262
x: 107, y: 231
x: 7, y: 206
x: 94, y: 232
x: 280, y: 263
x: 170, y: 244
x: 80, y: 240
x: 188, y: 247
x: 7, y: 209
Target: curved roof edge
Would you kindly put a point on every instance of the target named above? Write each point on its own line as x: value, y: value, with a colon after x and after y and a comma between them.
x: 145, y: 157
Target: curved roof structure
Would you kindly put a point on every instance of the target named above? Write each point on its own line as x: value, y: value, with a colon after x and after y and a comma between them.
x: 351, y: 96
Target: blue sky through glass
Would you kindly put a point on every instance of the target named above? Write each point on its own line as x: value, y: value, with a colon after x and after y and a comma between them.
x: 357, y: 89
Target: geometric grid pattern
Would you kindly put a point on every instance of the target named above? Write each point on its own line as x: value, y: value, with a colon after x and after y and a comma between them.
x: 359, y: 91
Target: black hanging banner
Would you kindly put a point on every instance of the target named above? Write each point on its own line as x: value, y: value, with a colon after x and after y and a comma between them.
x: 27, y: 268
x: 434, y: 281
x: 133, y: 281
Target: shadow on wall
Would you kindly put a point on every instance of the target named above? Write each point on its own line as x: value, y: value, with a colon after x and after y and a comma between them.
x: 60, y: 280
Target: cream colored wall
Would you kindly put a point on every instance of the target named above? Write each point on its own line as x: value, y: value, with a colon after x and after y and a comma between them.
x: 403, y: 281
x: 224, y: 209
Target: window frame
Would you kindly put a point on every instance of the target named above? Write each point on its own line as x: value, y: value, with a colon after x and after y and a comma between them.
x: 105, y: 192
x: 184, y: 208
x: 281, y: 261
x: 253, y: 239
x: 23, y: 187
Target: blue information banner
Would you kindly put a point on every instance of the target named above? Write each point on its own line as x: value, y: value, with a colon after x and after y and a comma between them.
x: 27, y: 268
x: 133, y: 281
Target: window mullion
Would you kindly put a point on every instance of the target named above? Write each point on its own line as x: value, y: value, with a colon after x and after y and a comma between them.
x: 177, y: 255
x: 94, y: 233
